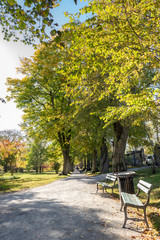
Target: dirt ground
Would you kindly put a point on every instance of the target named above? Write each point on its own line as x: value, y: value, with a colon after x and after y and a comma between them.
x: 68, y: 209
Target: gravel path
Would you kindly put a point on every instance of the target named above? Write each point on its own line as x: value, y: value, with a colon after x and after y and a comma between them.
x: 68, y: 209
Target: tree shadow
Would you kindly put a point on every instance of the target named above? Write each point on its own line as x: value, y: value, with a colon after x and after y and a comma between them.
x: 23, y: 217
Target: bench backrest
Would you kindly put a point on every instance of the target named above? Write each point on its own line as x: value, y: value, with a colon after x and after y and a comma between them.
x: 144, y: 186
x: 111, y: 177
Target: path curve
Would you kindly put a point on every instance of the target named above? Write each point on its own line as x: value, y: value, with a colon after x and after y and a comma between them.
x: 67, y: 209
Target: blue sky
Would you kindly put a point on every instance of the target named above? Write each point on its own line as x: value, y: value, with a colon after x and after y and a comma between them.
x: 67, y: 6
x: 10, y: 53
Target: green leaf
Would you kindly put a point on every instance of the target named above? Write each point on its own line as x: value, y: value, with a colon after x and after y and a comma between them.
x: 53, y: 32
x: 12, y: 2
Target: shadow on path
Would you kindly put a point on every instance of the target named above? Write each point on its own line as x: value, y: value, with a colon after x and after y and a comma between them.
x: 41, y: 213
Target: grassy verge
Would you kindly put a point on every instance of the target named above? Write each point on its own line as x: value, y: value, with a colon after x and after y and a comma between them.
x: 90, y: 174
x: 22, y: 181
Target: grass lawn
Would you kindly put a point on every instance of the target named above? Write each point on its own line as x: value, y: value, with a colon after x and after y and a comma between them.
x: 22, y: 181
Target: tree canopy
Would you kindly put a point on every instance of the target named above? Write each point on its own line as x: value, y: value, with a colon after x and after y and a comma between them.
x: 115, y: 56
x: 108, y: 65
x: 28, y: 20
x: 41, y: 94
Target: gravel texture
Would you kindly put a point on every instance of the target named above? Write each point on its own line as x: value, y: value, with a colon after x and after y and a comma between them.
x: 67, y: 209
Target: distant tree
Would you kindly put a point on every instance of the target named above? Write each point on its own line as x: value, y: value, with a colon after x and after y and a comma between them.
x: 37, y: 155
x: 42, y: 96
x: 11, y: 135
x: 9, y: 153
x: 56, y: 166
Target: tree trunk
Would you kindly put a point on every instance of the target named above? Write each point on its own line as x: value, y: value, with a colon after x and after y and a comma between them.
x: 104, y: 160
x: 36, y: 169
x: 6, y: 168
x: 121, y: 135
x: 64, y: 140
x: 66, y: 161
x: 72, y: 164
x: 88, y: 163
x: 11, y: 169
x: 157, y: 154
x: 94, y: 161
x: 40, y: 168
x: 84, y: 163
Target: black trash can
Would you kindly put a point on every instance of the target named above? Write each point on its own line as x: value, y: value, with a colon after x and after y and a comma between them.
x: 125, y: 182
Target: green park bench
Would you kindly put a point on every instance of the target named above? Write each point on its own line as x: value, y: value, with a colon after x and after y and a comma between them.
x: 132, y: 200
x: 109, y: 183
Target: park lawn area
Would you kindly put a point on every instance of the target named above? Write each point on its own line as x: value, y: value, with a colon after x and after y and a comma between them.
x: 22, y: 181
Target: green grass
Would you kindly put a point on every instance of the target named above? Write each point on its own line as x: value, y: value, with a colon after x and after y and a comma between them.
x: 90, y: 174
x: 21, y: 181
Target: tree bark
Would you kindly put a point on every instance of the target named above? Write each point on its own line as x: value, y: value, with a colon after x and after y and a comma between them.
x: 88, y: 164
x: 94, y: 161
x: 66, y: 161
x: 64, y: 140
x: 84, y: 163
x: 6, y: 168
x: 12, y: 169
x: 121, y: 135
x: 71, y: 163
x: 36, y: 169
x: 157, y: 154
x: 104, y: 160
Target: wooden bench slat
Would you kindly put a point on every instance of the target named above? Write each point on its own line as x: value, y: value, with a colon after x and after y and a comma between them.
x: 111, y: 178
x: 144, y: 189
x: 146, y: 184
x: 131, y: 199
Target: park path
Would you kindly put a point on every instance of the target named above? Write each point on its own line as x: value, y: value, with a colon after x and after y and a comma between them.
x: 67, y: 209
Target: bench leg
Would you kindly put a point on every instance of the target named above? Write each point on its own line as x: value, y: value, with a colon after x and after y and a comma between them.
x: 145, y: 217
x: 125, y: 216
x: 97, y: 187
x: 121, y: 200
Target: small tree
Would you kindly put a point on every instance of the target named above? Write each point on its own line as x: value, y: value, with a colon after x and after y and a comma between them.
x: 56, y: 166
x: 37, y: 155
x: 10, y: 152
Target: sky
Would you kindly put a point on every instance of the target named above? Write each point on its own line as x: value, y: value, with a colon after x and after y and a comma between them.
x: 10, y: 53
